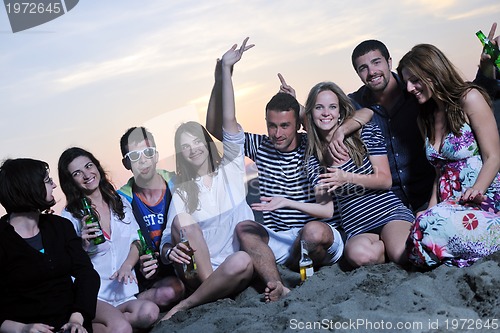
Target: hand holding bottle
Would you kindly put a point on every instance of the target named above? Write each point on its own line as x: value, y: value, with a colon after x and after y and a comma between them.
x: 91, y: 218
x: 490, y: 56
x: 149, y: 265
x: 88, y: 233
x: 180, y: 254
x: 148, y: 259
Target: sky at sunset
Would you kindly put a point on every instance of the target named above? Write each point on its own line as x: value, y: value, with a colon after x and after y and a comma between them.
x: 85, y: 77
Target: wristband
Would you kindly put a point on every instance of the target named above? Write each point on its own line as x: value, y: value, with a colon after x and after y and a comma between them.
x: 361, y: 123
x: 167, y: 254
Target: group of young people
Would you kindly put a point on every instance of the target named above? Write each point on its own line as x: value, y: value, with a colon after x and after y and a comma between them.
x: 355, y: 185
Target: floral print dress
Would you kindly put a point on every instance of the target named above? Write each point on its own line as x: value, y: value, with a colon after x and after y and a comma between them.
x: 451, y: 232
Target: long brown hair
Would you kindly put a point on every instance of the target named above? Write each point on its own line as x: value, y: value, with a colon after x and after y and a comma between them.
x: 73, y: 192
x: 433, y: 68
x: 186, y: 185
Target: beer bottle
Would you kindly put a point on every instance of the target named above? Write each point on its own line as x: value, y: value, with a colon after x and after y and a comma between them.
x: 145, y: 248
x: 92, y: 218
x: 490, y: 48
x: 189, y: 269
x: 305, y: 263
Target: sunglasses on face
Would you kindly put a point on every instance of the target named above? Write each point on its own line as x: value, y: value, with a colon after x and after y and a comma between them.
x: 135, y: 155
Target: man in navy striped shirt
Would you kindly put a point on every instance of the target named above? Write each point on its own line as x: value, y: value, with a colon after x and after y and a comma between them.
x: 291, y: 209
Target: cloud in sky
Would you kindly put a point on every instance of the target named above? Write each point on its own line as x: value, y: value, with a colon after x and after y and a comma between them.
x: 106, y: 65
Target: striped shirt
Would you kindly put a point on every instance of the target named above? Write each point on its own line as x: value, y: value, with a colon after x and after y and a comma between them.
x: 282, y: 174
x: 364, y: 209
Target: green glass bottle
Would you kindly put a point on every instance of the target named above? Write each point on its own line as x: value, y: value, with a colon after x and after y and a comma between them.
x: 92, y: 218
x: 145, y: 248
x: 490, y: 48
x: 189, y: 269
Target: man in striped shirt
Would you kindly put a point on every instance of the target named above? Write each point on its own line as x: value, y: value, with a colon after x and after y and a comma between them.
x: 291, y: 209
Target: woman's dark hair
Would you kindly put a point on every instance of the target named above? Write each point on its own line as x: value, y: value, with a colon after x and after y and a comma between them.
x: 186, y: 173
x: 22, y: 186
x: 74, y: 193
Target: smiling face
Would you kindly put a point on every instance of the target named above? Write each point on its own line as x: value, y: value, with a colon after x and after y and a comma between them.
x: 194, y: 150
x: 282, y: 129
x: 374, y: 70
x: 144, y: 169
x: 85, y: 174
x: 416, y: 86
x: 326, y: 111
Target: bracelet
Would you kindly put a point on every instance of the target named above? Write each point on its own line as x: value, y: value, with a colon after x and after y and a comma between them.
x: 358, y: 121
x: 167, y: 254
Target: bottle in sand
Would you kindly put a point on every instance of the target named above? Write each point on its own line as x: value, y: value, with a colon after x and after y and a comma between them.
x: 305, y: 263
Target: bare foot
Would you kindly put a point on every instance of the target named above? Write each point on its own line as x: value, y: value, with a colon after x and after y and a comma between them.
x: 274, y: 291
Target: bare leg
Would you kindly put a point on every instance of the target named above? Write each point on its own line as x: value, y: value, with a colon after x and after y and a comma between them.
x: 109, y: 319
x: 394, y: 235
x: 232, y: 276
x: 140, y: 313
x: 253, y: 240
x: 164, y: 292
x: 196, y: 241
x: 365, y: 249
x: 319, y: 238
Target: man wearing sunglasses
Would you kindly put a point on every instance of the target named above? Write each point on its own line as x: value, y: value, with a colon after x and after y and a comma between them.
x: 149, y: 193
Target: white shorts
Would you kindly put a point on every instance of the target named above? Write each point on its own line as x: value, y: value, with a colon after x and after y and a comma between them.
x: 281, y: 243
x: 116, y: 303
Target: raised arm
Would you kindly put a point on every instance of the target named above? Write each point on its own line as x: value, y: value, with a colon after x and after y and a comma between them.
x: 486, y: 65
x: 487, y: 73
x: 231, y: 57
x: 214, y: 110
x: 288, y: 89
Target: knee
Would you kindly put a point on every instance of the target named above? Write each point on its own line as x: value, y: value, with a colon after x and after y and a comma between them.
x: 362, y: 254
x: 239, y: 265
x: 172, y: 293
x: 398, y: 255
x: 148, y: 314
x: 244, y: 227
x: 317, y: 233
x: 250, y: 230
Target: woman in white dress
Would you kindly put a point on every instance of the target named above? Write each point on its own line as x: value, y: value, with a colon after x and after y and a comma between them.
x: 118, y: 309
x: 208, y: 203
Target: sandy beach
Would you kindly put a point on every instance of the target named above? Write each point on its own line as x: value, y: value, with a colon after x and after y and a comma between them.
x: 382, y: 298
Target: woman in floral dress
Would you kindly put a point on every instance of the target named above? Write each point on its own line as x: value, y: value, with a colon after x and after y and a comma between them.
x: 462, y: 222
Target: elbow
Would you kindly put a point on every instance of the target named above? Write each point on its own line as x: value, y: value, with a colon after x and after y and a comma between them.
x: 386, y: 182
